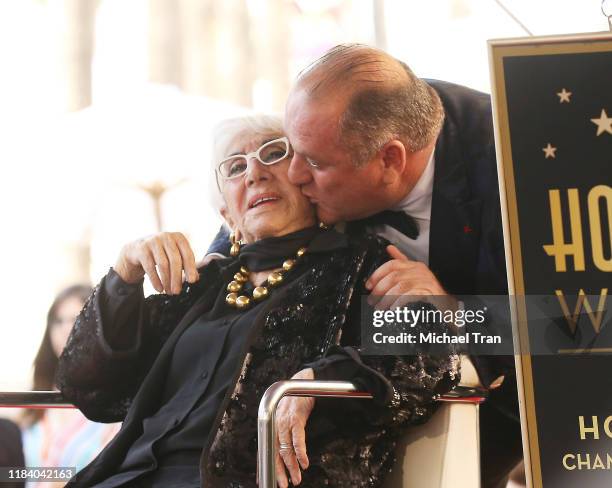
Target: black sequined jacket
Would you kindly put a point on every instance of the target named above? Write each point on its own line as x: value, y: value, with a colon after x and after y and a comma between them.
x: 311, y: 318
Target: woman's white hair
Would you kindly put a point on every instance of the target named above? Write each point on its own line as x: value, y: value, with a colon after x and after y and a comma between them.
x: 231, y: 132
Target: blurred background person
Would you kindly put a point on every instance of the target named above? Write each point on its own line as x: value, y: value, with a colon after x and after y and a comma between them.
x: 60, y: 437
x: 11, y: 452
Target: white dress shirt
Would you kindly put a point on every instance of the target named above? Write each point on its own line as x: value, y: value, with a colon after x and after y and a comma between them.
x: 417, y: 204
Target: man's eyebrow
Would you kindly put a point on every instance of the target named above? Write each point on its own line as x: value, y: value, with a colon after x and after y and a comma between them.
x: 303, y: 154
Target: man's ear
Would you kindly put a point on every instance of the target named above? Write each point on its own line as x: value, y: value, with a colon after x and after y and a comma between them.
x: 393, y: 155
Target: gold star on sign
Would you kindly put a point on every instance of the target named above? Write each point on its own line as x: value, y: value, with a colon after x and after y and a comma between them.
x: 564, y: 96
x: 603, y: 123
x: 549, y: 151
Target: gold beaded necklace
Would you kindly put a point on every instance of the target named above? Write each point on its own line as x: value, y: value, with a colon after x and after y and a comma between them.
x: 261, y: 292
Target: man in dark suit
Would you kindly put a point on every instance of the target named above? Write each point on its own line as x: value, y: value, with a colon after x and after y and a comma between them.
x: 369, y: 136
x: 413, y: 161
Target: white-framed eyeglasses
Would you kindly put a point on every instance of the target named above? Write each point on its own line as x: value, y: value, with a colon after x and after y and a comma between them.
x: 270, y: 153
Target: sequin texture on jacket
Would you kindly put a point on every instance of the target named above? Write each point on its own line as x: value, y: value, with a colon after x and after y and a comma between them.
x: 350, y: 443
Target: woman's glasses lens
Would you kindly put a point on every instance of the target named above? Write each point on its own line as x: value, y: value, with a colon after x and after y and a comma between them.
x: 273, y: 152
x: 234, y: 167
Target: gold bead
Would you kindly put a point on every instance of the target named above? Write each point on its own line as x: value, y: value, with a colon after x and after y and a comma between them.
x: 287, y: 265
x: 231, y: 299
x: 260, y: 292
x: 242, y: 301
x: 240, y: 278
x: 234, y: 250
x: 275, y: 278
x: 234, y: 286
x: 244, y: 271
x: 301, y: 252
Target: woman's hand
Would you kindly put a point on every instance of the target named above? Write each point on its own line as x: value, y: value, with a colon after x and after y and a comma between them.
x: 291, y: 417
x: 166, y: 253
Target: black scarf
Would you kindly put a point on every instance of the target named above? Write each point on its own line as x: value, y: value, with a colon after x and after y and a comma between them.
x: 269, y: 253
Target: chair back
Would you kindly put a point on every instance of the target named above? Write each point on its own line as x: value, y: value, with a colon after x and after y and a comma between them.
x: 445, y: 451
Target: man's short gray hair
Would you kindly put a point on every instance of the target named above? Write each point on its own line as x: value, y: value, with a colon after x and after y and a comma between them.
x: 386, y: 100
x: 230, y: 132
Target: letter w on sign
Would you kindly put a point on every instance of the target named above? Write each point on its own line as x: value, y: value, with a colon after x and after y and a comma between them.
x: 583, y: 300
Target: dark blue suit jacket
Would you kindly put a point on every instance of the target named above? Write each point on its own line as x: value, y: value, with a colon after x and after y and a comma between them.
x: 466, y: 243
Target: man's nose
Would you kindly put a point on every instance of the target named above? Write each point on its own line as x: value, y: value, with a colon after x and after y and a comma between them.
x: 256, y: 171
x: 298, y: 172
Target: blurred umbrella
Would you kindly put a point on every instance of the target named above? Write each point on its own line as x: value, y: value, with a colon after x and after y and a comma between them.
x: 154, y: 144
x: 155, y: 136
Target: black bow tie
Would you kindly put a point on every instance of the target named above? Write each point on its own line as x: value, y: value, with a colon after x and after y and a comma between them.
x: 399, y: 220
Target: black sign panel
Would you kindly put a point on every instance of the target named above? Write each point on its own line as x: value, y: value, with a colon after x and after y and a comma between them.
x: 553, y: 100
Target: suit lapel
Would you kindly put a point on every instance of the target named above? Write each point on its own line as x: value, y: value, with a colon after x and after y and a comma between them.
x: 455, y: 217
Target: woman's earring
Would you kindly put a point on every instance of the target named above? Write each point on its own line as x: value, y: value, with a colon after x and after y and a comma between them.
x: 235, y: 249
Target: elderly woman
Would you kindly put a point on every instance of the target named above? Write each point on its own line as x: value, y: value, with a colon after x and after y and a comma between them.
x: 185, y: 370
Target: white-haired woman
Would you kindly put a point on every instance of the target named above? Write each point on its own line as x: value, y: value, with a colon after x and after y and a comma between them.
x: 185, y: 369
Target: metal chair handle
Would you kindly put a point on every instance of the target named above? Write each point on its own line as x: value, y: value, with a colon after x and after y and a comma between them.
x: 266, y: 425
x: 33, y: 399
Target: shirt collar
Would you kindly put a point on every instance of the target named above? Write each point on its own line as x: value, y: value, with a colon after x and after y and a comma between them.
x: 417, y: 202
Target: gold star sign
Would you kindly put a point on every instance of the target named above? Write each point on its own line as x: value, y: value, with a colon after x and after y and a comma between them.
x: 603, y: 123
x: 564, y: 96
x: 549, y: 151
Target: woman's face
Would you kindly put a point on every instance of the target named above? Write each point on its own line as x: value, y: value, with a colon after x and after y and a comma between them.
x: 262, y: 202
x: 66, y: 313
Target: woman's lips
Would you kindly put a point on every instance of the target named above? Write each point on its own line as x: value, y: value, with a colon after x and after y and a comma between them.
x: 264, y: 204
x: 263, y: 199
